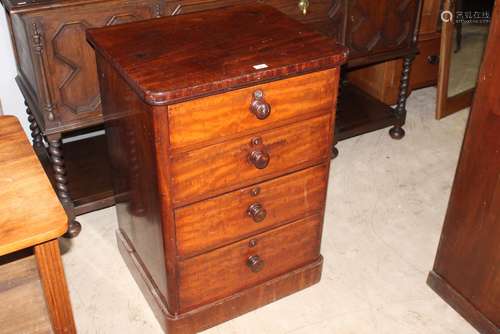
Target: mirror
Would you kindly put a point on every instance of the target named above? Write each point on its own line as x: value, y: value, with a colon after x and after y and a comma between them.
x: 465, y: 26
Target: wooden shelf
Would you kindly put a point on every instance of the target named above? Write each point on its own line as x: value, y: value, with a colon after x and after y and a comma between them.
x: 88, y: 173
x: 23, y: 305
x: 360, y: 113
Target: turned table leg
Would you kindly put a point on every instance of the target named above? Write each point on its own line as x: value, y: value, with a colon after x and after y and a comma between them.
x: 50, y: 268
x: 397, y: 132
x: 56, y: 156
x: 36, y: 134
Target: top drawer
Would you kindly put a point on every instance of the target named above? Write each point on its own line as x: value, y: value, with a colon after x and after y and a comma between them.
x: 227, y: 115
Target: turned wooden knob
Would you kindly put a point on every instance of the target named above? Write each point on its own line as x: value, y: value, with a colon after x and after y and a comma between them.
x: 257, y: 212
x: 259, y: 107
x: 255, y: 263
x: 259, y: 159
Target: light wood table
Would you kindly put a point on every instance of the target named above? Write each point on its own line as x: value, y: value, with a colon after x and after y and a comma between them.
x: 32, y: 216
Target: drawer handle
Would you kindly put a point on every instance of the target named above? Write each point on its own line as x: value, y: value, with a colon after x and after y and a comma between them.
x: 255, y: 263
x: 259, y: 107
x: 433, y: 60
x: 303, y: 6
x: 257, y: 212
x: 259, y: 159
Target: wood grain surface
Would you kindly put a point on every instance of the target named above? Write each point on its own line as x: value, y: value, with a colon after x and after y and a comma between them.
x: 50, y: 268
x: 164, y: 69
x: 31, y: 211
x: 200, y: 277
x: 224, y: 219
x: 221, y: 310
x: 228, y: 115
x: 222, y: 167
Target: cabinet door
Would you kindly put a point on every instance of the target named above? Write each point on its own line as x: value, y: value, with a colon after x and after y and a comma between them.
x: 380, y: 26
x: 70, y: 60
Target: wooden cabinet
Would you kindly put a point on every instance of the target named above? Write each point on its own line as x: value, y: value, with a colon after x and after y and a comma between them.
x: 382, y: 80
x: 466, y: 273
x: 221, y: 170
x: 56, y: 64
x: 56, y: 73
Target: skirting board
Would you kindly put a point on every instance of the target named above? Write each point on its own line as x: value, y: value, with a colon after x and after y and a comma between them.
x: 222, y: 310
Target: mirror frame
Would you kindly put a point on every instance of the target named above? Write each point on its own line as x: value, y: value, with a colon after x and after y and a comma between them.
x: 448, y: 105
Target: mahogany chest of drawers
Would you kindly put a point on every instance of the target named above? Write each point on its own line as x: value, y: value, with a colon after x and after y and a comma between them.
x: 219, y: 128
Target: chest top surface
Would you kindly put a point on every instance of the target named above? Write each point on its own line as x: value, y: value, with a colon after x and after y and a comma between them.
x: 182, y: 57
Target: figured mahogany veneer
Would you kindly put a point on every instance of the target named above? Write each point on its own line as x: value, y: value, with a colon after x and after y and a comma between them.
x: 214, y: 117
x: 209, y: 170
x: 225, y: 271
x: 226, y: 218
x: 160, y: 76
x: 220, y: 167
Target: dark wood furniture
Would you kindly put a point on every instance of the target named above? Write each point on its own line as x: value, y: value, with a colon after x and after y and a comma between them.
x: 33, y: 217
x: 382, y: 81
x: 56, y: 73
x: 221, y: 149
x: 374, y: 32
x: 466, y: 272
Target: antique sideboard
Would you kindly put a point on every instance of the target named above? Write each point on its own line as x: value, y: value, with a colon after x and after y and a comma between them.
x: 57, y: 74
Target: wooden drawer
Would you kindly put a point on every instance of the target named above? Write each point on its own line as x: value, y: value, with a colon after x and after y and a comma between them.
x: 226, y: 218
x: 224, y: 167
x: 227, y: 115
x: 224, y: 271
x: 425, y: 67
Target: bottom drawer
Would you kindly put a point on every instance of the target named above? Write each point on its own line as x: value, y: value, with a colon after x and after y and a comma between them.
x: 224, y: 271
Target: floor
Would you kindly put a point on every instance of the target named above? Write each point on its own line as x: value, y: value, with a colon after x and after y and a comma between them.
x: 386, y: 205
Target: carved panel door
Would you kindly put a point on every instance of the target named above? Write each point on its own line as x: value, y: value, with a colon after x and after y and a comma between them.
x: 380, y: 26
x: 70, y: 60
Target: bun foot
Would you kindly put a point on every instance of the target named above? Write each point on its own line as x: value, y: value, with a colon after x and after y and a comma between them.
x: 74, y: 229
x: 335, y: 152
x: 397, y: 132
